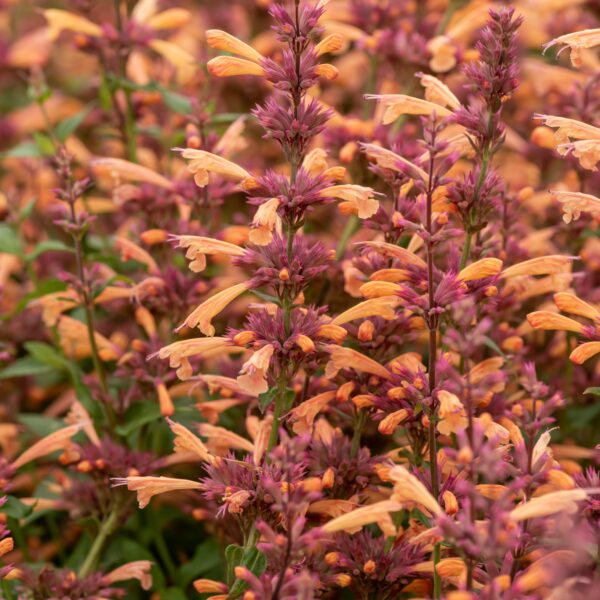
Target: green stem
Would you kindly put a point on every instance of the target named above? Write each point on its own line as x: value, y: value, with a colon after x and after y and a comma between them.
x: 277, y: 414
x: 129, y: 117
x: 437, y: 582
x: 351, y: 226
x: 361, y: 421
x: 465, y: 251
x: 6, y: 590
x: 107, y: 527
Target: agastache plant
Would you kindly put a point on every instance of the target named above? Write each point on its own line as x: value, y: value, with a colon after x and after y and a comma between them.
x: 299, y: 299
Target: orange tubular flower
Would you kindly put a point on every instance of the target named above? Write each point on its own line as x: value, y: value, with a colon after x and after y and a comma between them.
x: 148, y: 487
x: 359, y: 198
x: 252, y: 378
x: 452, y: 413
x: 198, y: 247
x: 186, y: 442
x: 347, y: 358
x: 59, y: 440
x: 265, y: 221
x: 373, y: 513
x: 179, y: 353
x: 576, y: 42
x: 303, y: 416
x: 202, y: 316
x: 202, y: 163
x: 574, y: 203
x: 139, y: 569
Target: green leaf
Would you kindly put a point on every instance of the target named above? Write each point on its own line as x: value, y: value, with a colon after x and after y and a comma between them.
x: 44, y: 143
x: 9, y: 240
x: 65, y: 128
x: 26, y: 149
x: 41, y: 425
x: 137, y: 416
x: 48, y: 246
x: 490, y: 343
x: 46, y: 354
x: 593, y: 390
x: 265, y: 399
x: 256, y: 562
x: 176, y: 102
x: 28, y: 365
x: 206, y: 558
x: 234, y: 555
x: 15, y: 508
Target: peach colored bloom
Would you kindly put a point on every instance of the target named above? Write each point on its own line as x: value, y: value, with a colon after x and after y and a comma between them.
x: 452, y: 413
x: 584, y: 352
x: 407, y: 488
x: 252, y: 378
x: 587, y: 151
x: 264, y: 222
x: 303, y: 416
x: 261, y: 441
x: 550, y: 504
x: 541, y: 265
x: 123, y: 170
x: 354, y: 521
x: 139, y: 569
x: 62, y: 20
x: 202, y: 163
x: 209, y: 586
x: 179, y: 353
x: 58, y: 440
x: 375, y: 307
x: 203, y: 315
x: 220, y: 440
x: 485, y: 267
x: 221, y: 40
x: 386, y: 159
x: 402, y: 254
x: 148, y: 487
x: 167, y: 408
x: 75, y: 342
x: 574, y: 203
x: 347, y: 358
x: 396, y: 105
x: 198, y: 247
x: 390, y: 423
x: 438, y: 92
x: 576, y: 42
x: 545, y: 319
x: 78, y: 415
x: 131, y: 251
x: 359, y: 198
x: 186, y: 442
x: 230, y: 66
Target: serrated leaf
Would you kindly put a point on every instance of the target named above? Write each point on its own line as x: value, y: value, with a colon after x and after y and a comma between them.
x: 138, y: 415
x: 23, y: 367
x: 9, y: 240
x: 27, y: 149
x: 256, y: 562
x: 176, y: 102
x: 44, y: 143
x: 65, y: 128
x: 48, y: 246
x: 41, y: 425
x: 234, y: 555
x: 14, y: 508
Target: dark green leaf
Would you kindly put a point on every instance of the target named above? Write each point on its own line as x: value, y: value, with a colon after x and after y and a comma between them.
x: 9, y: 240
x: 65, y: 128
x: 27, y: 149
x: 15, y: 508
x: 48, y: 246
x: 137, y: 416
x: 41, y: 425
x: 25, y: 366
x: 176, y: 102
x: 234, y: 555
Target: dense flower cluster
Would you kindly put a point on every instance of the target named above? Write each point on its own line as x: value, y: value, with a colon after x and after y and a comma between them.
x: 300, y: 299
